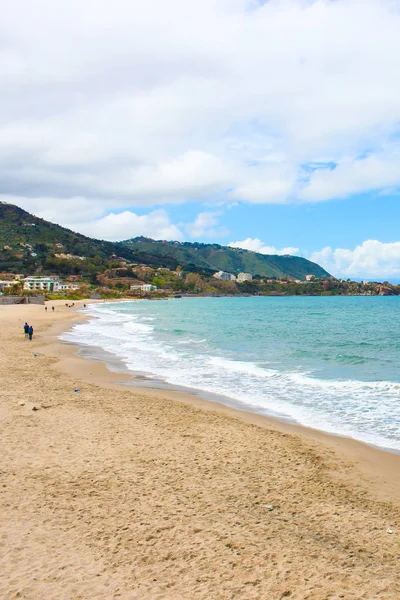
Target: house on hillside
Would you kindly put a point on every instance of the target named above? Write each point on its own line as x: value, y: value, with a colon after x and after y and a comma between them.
x: 64, y: 256
x: 74, y: 277
x: 68, y: 287
x: 224, y: 275
x: 244, y: 277
x: 146, y: 287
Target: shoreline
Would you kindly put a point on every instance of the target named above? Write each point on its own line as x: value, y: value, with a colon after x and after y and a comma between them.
x: 374, y: 461
x: 288, y: 415
x: 112, y: 491
x: 150, y: 384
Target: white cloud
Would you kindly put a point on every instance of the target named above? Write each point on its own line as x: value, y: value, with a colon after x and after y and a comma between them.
x: 266, y: 186
x: 257, y: 245
x: 125, y: 225
x: 378, y: 171
x: 371, y: 259
x: 207, y: 225
x: 148, y: 103
x: 73, y: 210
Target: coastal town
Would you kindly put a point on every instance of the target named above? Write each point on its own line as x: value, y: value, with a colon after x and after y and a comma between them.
x: 133, y: 280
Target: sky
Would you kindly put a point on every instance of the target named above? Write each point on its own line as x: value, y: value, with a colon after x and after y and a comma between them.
x: 268, y: 125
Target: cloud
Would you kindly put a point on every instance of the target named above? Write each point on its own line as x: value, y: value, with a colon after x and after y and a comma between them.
x: 73, y: 210
x: 257, y: 245
x: 378, y: 171
x: 206, y: 225
x: 266, y: 186
x: 125, y: 225
x: 153, y: 103
x: 371, y: 259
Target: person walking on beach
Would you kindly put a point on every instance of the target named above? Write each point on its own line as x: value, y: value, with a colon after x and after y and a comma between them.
x: 52, y: 308
x: 30, y: 331
x: 26, y: 327
x: 45, y: 308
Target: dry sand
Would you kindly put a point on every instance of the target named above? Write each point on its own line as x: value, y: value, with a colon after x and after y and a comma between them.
x: 115, y: 492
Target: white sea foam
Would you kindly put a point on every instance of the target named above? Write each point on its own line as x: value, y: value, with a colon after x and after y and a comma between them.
x: 237, y: 366
x: 190, y: 341
x: 359, y: 409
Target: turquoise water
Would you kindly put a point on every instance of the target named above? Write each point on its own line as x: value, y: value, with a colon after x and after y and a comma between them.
x: 330, y: 363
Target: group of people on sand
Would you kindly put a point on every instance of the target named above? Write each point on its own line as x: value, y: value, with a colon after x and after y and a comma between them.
x: 28, y: 330
x: 52, y: 308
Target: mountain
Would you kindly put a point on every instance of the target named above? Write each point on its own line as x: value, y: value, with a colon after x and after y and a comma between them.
x: 213, y: 257
x: 29, y: 244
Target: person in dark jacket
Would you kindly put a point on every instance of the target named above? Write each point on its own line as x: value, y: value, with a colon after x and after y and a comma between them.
x: 30, y: 332
x: 26, y: 327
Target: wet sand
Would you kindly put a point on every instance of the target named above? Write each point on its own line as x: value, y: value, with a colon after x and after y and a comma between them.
x: 119, y: 492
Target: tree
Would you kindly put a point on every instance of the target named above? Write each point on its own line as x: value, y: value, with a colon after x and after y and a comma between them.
x: 226, y: 287
x: 15, y: 290
x: 160, y: 282
x: 194, y: 283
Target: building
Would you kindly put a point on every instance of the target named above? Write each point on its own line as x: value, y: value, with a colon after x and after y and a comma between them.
x: 244, y: 277
x: 35, y: 284
x: 146, y: 287
x: 224, y: 276
x: 46, y: 284
x: 74, y: 277
x: 64, y: 256
x: 309, y: 277
x: 67, y: 287
x: 6, y: 283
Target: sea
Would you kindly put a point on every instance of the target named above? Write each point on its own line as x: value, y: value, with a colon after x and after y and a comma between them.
x: 330, y: 363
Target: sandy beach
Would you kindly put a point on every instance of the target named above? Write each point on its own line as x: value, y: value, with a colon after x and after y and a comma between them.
x: 120, y: 492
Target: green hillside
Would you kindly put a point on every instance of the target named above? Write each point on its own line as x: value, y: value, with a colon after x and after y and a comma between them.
x: 212, y: 257
x: 29, y: 244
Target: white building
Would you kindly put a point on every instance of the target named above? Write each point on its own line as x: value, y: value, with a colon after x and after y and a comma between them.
x: 46, y: 284
x: 146, y: 287
x: 309, y: 277
x: 67, y: 287
x: 7, y: 283
x: 244, y: 277
x: 224, y: 275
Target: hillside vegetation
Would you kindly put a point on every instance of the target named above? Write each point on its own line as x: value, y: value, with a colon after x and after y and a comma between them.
x: 213, y: 257
x: 29, y: 245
